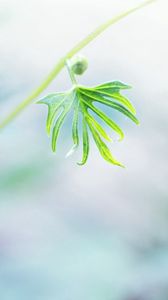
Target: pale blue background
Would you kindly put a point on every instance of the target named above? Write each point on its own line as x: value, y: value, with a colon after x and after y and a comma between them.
x: 96, y: 232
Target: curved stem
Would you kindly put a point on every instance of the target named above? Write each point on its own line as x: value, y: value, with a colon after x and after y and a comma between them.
x: 59, y: 66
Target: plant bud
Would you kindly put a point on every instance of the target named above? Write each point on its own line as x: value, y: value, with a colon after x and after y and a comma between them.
x: 79, y: 64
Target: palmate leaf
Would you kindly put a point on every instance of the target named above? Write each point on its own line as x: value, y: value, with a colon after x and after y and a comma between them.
x: 106, y: 119
x: 54, y: 102
x: 81, y: 100
x: 97, y: 126
x: 58, y: 124
x: 112, y: 90
x: 85, y: 142
x: 75, y: 134
x: 99, y: 98
x: 104, y: 150
x: 112, y: 85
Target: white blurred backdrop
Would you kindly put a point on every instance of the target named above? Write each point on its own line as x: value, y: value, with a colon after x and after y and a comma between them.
x: 98, y: 231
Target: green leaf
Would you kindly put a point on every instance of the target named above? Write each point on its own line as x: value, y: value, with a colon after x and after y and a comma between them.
x: 75, y: 134
x: 123, y: 100
x: 113, y: 85
x: 98, y: 127
x: 55, y: 103
x: 114, y: 105
x: 81, y: 99
x: 113, y: 95
x: 85, y: 143
x: 103, y: 149
x: 60, y: 121
x: 106, y: 119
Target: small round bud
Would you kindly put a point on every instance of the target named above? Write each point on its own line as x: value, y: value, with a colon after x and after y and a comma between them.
x: 79, y: 64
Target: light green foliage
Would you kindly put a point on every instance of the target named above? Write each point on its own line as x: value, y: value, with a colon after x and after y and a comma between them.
x: 85, y: 142
x: 81, y: 100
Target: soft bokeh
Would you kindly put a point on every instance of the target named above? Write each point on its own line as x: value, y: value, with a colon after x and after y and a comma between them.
x: 96, y: 232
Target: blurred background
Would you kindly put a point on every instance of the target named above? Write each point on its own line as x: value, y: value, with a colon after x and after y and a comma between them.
x: 96, y: 232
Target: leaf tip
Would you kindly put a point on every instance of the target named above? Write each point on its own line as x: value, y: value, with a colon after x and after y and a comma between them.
x: 53, y: 146
x: 120, y: 139
x: 81, y: 163
x: 41, y: 102
x: 120, y: 165
x: 138, y: 122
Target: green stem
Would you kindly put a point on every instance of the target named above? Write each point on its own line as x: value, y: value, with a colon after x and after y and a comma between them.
x: 59, y: 66
x: 71, y: 74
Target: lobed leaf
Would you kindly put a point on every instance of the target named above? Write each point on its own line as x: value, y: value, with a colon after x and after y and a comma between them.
x: 103, y: 149
x: 98, y: 127
x: 113, y: 85
x: 75, y: 134
x: 114, y: 95
x: 60, y: 121
x: 114, y: 105
x: 82, y: 98
x: 120, y: 98
x: 85, y: 142
x: 51, y: 98
x: 106, y: 119
x: 54, y: 103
